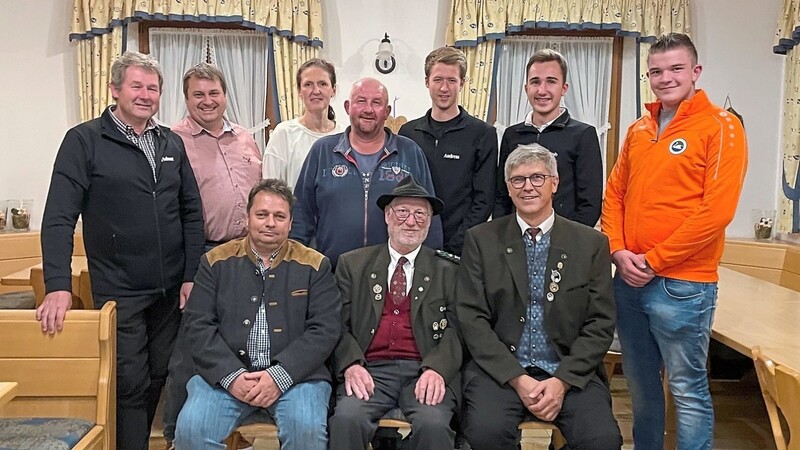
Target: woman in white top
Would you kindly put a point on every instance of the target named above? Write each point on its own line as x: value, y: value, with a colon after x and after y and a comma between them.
x: 291, y: 140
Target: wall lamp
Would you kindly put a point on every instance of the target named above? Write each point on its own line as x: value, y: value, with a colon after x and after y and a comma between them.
x: 384, y: 61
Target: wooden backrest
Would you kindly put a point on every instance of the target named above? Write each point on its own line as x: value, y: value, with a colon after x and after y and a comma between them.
x: 787, y: 384
x: 68, y: 374
x: 394, y: 123
x: 85, y: 291
x: 37, y: 283
x: 765, y: 369
x: 83, y: 299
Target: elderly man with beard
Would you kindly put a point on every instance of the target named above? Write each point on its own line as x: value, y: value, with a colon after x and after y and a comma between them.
x: 399, y: 347
x: 344, y: 174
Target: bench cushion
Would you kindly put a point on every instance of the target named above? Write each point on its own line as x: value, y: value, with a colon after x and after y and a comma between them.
x: 42, y: 433
x: 18, y: 300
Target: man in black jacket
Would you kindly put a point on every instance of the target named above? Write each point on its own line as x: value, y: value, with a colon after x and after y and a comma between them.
x: 575, y: 144
x: 131, y: 182
x: 461, y: 150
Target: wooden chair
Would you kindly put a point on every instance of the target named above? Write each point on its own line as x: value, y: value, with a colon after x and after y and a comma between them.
x: 780, y: 387
x: 69, y: 375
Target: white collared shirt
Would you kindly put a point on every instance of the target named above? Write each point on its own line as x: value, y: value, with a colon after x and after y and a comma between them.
x: 408, y: 268
x: 529, y: 120
x: 544, y: 227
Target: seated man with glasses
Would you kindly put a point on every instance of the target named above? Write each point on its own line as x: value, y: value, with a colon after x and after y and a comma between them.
x: 536, y: 312
x: 399, y: 347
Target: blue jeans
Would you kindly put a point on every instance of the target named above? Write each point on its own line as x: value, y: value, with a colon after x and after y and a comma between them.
x: 667, y: 321
x: 211, y: 413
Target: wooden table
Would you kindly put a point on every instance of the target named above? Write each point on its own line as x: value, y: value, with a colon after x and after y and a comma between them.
x: 23, y: 277
x: 7, y: 391
x: 753, y: 312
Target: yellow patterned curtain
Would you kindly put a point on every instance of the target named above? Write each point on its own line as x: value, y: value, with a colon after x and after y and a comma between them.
x: 645, y: 93
x: 288, y: 57
x: 474, y: 24
x: 299, y: 19
x: 474, y: 21
x: 94, y: 72
x: 789, y: 207
x: 296, y: 27
x: 477, y: 87
x: 787, y: 34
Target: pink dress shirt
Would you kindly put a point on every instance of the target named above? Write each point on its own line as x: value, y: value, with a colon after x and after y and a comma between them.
x: 226, y: 168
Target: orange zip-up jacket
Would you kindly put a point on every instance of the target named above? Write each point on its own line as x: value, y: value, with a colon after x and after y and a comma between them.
x: 671, y: 197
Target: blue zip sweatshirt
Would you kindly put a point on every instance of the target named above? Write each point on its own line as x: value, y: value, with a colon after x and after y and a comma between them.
x: 337, y: 208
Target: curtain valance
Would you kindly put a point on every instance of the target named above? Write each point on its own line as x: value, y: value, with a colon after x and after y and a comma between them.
x: 474, y: 21
x: 298, y: 20
x: 787, y: 34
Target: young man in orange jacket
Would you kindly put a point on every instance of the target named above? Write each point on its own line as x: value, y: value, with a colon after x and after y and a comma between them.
x: 671, y: 194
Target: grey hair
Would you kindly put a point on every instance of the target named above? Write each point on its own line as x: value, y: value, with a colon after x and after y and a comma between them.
x: 134, y: 59
x: 531, y: 153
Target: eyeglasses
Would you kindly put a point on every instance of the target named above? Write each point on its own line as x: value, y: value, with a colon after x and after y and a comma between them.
x: 420, y: 216
x: 537, y: 180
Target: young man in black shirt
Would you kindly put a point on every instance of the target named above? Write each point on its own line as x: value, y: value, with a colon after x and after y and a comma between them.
x: 461, y: 149
x: 575, y: 144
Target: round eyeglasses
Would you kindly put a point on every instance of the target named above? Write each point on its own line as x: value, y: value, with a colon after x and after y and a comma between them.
x: 420, y: 216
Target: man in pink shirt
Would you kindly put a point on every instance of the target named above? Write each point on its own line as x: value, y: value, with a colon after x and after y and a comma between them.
x: 225, y: 158
x: 227, y: 163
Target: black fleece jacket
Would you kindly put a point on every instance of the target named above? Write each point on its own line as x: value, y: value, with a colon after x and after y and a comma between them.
x: 141, y: 236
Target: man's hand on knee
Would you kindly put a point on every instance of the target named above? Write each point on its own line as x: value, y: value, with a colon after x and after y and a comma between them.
x: 549, y: 395
x: 241, y: 386
x: 265, y: 392
x: 358, y: 381
x: 524, y: 385
x: 430, y: 388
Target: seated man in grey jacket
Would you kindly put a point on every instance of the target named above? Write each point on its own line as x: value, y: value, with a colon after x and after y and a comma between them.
x: 262, y: 319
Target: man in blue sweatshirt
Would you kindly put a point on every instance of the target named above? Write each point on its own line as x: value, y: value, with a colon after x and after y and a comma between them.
x: 344, y: 174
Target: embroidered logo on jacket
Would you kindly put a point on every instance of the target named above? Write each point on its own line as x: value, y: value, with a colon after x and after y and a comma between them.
x: 167, y: 158
x: 677, y: 146
x: 451, y: 156
x: 392, y: 171
x: 339, y: 170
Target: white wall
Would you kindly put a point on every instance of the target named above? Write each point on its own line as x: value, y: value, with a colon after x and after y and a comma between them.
x: 734, y: 39
x: 734, y: 42
x: 353, y: 29
x: 39, y: 97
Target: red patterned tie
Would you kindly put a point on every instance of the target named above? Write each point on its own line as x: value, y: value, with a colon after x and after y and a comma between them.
x: 532, y: 232
x: 398, y: 284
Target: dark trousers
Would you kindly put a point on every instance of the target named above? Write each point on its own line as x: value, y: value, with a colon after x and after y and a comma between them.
x: 146, y: 330
x: 355, y: 421
x: 181, y: 369
x: 494, y: 412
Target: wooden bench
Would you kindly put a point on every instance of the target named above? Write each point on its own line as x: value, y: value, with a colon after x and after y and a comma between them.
x: 269, y: 432
x: 69, y: 375
x: 770, y: 260
x: 21, y: 250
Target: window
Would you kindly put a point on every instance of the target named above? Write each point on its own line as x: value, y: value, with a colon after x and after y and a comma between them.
x: 240, y: 54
